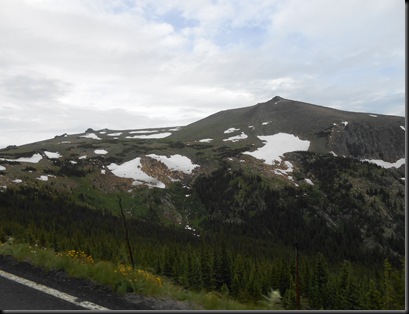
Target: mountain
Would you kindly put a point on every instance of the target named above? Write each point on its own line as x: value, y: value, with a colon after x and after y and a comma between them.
x: 272, y: 173
x: 350, y: 134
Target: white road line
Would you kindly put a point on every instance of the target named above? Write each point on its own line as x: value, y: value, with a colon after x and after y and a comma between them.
x: 53, y: 292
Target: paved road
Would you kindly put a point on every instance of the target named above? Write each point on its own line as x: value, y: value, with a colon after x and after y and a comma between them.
x: 16, y: 296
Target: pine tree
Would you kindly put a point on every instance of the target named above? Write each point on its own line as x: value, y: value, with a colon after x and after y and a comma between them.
x: 373, y: 298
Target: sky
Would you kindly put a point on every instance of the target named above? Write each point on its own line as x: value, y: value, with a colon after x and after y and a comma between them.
x: 70, y: 65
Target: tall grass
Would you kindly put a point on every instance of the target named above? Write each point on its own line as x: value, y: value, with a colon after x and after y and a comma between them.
x: 122, y: 278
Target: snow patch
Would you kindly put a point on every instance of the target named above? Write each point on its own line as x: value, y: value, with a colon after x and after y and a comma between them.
x: 132, y: 169
x: 33, y: 159
x: 386, y: 164
x: 175, y: 129
x: 265, y: 123
x: 335, y: 155
x: 231, y: 130
x: 345, y: 123
x: 276, y: 145
x: 176, y: 162
x: 43, y: 178
x: 158, y: 135
x: 17, y: 180
x: 83, y: 157
x: 206, y: 140
x: 52, y: 155
x: 2, y: 168
x: 143, y: 132
x: 115, y: 134
x: 65, y: 142
x: 236, y: 138
x: 103, y: 171
x: 402, y: 127
x: 100, y: 151
x: 373, y: 115
x: 309, y: 181
x: 73, y: 162
x: 91, y: 136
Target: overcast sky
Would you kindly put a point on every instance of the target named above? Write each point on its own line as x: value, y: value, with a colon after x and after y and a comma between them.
x: 67, y: 65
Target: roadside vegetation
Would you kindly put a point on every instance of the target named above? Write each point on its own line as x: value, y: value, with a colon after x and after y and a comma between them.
x: 122, y: 278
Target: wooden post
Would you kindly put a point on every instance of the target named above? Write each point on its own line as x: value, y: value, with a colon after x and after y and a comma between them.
x: 126, y: 232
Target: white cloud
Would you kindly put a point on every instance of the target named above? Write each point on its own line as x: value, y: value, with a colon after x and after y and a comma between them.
x: 150, y: 62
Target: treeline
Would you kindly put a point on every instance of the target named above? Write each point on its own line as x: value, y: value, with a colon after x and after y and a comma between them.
x: 240, y: 266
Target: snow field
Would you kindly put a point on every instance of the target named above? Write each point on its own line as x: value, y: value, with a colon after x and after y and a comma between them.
x: 206, y: 140
x: 236, y: 138
x: 230, y: 130
x: 276, y: 145
x: 132, y: 169
x: 386, y: 164
x: 158, y: 135
x: 100, y: 152
x: 176, y: 162
x: 52, y: 155
x: 91, y: 136
x: 33, y: 159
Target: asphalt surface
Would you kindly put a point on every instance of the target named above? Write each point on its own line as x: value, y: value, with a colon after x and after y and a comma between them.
x: 15, y: 296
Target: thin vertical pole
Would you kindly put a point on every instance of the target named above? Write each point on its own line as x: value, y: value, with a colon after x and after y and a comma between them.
x: 297, y: 279
x: 126, y: 232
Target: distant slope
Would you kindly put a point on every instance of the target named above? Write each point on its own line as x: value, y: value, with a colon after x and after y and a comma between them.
x: 351, y: 134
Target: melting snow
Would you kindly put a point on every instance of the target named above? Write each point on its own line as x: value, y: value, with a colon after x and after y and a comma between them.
x: 386, y: 164
x: 73, y: 162
x: 103, y: 171
x: 333, y: 153
x: 265, y: 123
x: 236, y: 138
x: 373, y: 115
x: 2, y: 168
x: 91, y: 135
x: 83, y: 157
x: 43, y: 178
x: 52, y: 155
x: 115, y: 134
x: 402, y: 127
x: 206, y: 140
x: 176, y: 162
x: 100, y: 151
x: 276, y: 145
x: 143, y: 132
x: 17, y: 181
x: 187, y: 227
x: 33, y: 159
x: 309, y: 181
x: 345, y: 123
x: 159, y: 135
x: 132, y: 169
x: 231, y: 130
